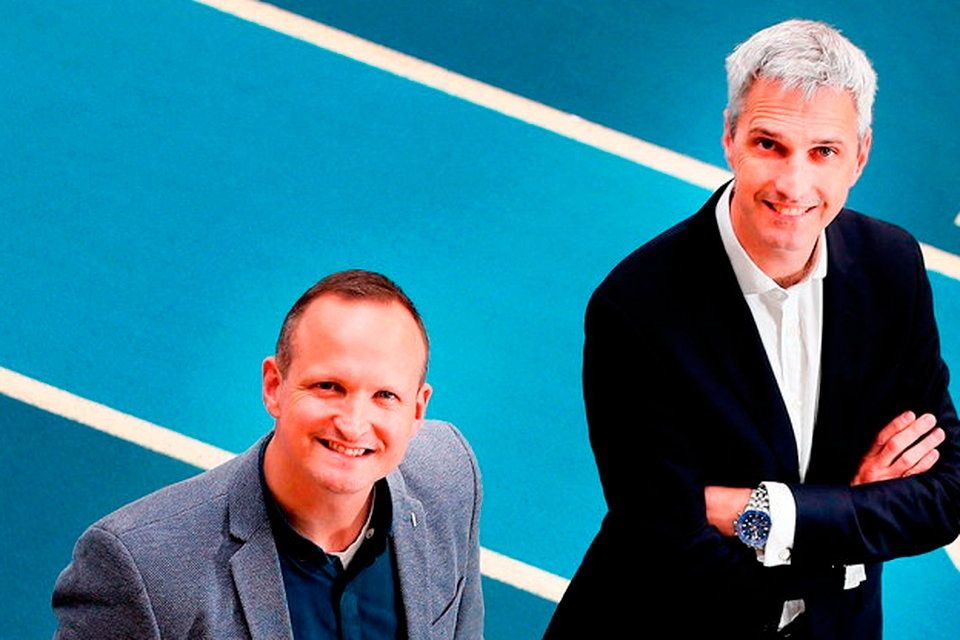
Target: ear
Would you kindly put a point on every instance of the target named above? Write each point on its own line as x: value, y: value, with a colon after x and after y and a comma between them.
x: 272, y: 381
x: 423, y: 397
x: 727, y: 139
x: 863, y: 154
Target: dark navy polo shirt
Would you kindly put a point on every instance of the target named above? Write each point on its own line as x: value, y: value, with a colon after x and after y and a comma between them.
x: 362, y: 602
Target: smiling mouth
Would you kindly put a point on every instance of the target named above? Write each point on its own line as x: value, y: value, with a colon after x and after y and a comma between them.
x: 350, y: 452
x: 793, y: 211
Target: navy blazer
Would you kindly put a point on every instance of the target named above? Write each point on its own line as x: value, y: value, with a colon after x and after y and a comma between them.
x: 198, y: 560
x: 680, y: 395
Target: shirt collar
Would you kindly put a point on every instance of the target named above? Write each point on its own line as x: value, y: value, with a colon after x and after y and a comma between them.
x: 366, y: 532
x: 289, y: 541
x: 751, y: 278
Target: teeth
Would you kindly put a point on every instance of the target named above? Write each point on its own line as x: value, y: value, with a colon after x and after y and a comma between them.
x: 347, y: 451
x: 789, y: 211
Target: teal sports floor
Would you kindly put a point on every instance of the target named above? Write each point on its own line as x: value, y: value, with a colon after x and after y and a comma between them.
x: 172, y: 177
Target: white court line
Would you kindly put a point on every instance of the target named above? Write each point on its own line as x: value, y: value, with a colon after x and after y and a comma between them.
x: 479, y: 93
x: 565, y: 124
x: 103, y: 418
x: 175, y: 445
x: 941, y: 261
x: 537, y: 581
x: 953, y: 550
x: 205, y: 456
x: 200, y: 454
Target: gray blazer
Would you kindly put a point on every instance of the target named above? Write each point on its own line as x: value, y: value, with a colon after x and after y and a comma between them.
x: 197, y: 559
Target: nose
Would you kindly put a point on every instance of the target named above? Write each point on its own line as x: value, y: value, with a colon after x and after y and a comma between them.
x: 351, y: 418
x: 794, y: 180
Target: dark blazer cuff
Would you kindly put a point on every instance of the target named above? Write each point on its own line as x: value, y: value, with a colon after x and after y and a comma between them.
x: 827, y: 526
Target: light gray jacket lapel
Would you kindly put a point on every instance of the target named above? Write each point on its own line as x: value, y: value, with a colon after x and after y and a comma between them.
x: 413, y: 561
x: 255, y: 565
x: 427, y: 570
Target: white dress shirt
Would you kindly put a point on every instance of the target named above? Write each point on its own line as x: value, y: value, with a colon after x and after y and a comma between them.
x: 790, y: 324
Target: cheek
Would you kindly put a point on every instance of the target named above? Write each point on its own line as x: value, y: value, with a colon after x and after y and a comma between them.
x: 836, y: 186
x: 305, y: 409
x: 750, y: 171
x: 396, y: 434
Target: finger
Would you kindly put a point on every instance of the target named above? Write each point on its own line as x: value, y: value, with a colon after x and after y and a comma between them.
x: 903, y: 440
x: 895, y: 426
x: 925, y: 464
x: 912, y: 456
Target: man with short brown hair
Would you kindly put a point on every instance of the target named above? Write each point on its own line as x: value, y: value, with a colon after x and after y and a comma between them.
x: 354, y: 518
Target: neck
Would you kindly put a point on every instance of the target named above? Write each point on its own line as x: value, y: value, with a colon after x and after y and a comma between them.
x: 787, y: 281
x: 788, y: 275
x: 786, y: 268
x: 331, y: 527
x: 330, y: 521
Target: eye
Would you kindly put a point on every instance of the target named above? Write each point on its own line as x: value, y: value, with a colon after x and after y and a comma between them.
x: 327, y: 385
x: 383, y: 394
x: 825, y: 152
x: 766, y: 144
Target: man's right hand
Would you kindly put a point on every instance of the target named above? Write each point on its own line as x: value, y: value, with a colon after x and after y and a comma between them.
x: 905, y: 447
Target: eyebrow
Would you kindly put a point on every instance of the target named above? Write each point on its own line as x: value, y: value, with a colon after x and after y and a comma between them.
x: 757, y: 131
x: 829, y: 143
x: 824, y: 142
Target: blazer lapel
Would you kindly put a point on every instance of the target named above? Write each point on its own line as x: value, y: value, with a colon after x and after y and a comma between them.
x: 255, y: 565
x: 256, y: 573
x: 413, y: 561
x: 739, y: 353
x: 841, y: 349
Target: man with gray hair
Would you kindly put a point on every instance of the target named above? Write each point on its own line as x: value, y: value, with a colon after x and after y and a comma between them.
x: 765, y: 394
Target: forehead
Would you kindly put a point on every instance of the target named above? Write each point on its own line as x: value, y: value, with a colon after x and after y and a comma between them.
x: 827, y: 113
x: 374, y: 332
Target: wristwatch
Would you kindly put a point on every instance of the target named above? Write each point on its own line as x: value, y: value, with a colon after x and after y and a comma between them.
x: 752, y: 526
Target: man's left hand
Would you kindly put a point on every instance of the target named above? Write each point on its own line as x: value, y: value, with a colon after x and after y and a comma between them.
x: 905, y: 447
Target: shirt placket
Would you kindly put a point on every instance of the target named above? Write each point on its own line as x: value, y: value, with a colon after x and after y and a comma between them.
x: 791, y: 362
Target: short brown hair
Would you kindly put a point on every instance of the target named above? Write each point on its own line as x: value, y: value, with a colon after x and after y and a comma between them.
x: 353, y: 284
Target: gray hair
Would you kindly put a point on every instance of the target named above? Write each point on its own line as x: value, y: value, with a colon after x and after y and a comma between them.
x: 806, y: 55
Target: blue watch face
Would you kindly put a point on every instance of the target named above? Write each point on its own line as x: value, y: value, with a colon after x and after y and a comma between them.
x: 753, y: 528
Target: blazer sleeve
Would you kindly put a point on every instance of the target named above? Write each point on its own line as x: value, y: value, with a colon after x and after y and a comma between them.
x: 101, y: 593
x: 644, y: 434
x: 907, y: 516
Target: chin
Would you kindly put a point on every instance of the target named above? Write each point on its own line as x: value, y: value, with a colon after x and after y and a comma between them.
x: 780, y: 239
x: 344, y: 488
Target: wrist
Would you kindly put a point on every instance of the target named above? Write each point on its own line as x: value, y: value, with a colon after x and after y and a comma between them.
x: 752, y: 525
x: 723, y: 505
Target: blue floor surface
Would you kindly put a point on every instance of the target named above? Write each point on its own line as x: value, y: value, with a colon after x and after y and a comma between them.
x: 174, y: 177
x: 655, y: 70
x: 54, y: 492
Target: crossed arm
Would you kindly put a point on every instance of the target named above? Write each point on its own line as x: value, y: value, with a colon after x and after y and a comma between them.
x: 907, y: 446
